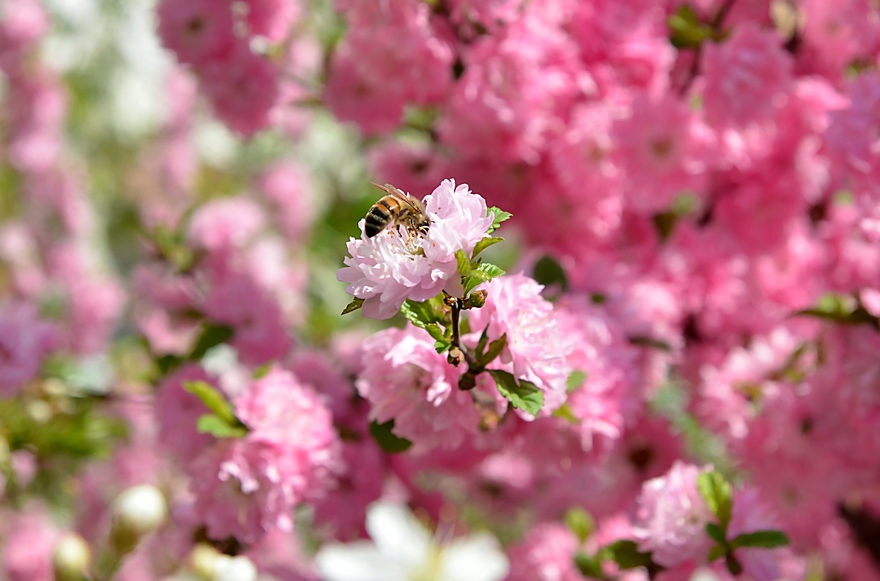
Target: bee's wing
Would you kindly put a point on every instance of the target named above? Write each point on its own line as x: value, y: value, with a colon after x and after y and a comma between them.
x: 391, y: 190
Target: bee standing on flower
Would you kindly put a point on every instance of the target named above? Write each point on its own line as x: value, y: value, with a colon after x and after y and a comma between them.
x: 398, y: 208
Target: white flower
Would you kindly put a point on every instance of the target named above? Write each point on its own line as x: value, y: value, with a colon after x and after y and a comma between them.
x: 403, y: 550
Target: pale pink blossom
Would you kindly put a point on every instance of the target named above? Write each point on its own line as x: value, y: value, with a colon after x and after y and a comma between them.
x: 225, y: 224
x: 672, y: 516
x: 249, y: 486
x: 406, y: 380
x: 25, y: 340
x: 396, y: 265
x: 546, y: 554
x: 27, y: 547
x: 536, y: 350
x: 178, y: 411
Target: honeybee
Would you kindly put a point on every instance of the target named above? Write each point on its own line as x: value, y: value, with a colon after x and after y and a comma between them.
x: 398, y: 208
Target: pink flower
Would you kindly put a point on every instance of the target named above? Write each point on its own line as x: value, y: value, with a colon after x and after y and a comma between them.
x: 27, y: 548
x: 406, y: 380
x: 24, y: 342
x: 271, y: 18
x: 249, y: 486
x: 287, y: 187
x: 747, y: 78
x: 672, y: 517
x: 243, y: 89
x: 536, y: 350
x: 198, y: 31
x: 396, y: 265
x: 662, y: 150
x: 516, y: 86
x: 225, y: 224
x: 177, y: 412
x: 546, y: 554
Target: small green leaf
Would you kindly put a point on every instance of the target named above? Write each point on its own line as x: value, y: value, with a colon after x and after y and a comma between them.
x: 588, y: 566
x: 580, y: 523
x: 484, y: 272
x: 426, y: 315
x: 685, y: 28
x: 716, y: 491
x: 499, y: 216
x: 575, y: 379
x: 387, y: 440
x: 627, y: 555
x: 564, y: 412
x: 217, y: 427
x: 549, y: 272
x: 524, y: 395
x: 716, y: 552
x: 442, y: 345
x: 484, y: 244
x: 716, y: 533
x: 495, y: 349
x: 768, y: 539
x: 354, y: 305
x: 481, y: 344
x: 263, y: 370
x: 464, y: 263
x: 211, y: 336
x: 213, y: 399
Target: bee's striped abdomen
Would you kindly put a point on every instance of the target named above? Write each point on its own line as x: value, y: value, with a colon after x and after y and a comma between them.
x: 378, y: 217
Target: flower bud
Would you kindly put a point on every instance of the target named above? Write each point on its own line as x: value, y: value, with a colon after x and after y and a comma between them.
x: 137, y: 511
x: 455, y: 357
x: 210, y: 564
x: 71, y: 557
x: 476, y: 299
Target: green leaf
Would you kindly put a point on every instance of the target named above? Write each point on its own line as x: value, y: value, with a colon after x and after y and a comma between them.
x: 716, y: 552
x: 588, y: 566
x: 524, y: 395
x: 484, y: 272
x: 627, y: 555
x: 354, y: 305
x: 495, y: 349
x: 387, y: 440
x: 464, y: 263
x: 549, y: 272
x: 768, y: 539
x: 716, y: 533
x: 211, y: 336
x: 716, y: 491
x: 217, y: 427
x: 442, y: 345
x: 484, y: 244
x: 499, y: 216
x: 685, y: 28
x: 481, y: 344
x: 575, y: 379
x: 427, y: 315
x: 580, y: 522
x: 213, y: 400
x: 564, y: 412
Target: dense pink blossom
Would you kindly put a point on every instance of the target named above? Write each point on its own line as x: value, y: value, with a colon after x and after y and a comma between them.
x: 535, y: 350
x: 396, y: 265
x: 406, y: 380
x: 25, y: 340
x: 242, y: 89
x: 198, y: 32
x: 27, y: 548
x: 178, y: 411
x: 747, y: 78
x: 248, y: 486
x: 547, y: 554
x: 225, y: 224
x: 672, y: 517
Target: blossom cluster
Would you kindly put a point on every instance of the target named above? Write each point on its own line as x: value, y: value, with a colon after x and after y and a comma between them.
x: 632, y: 337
